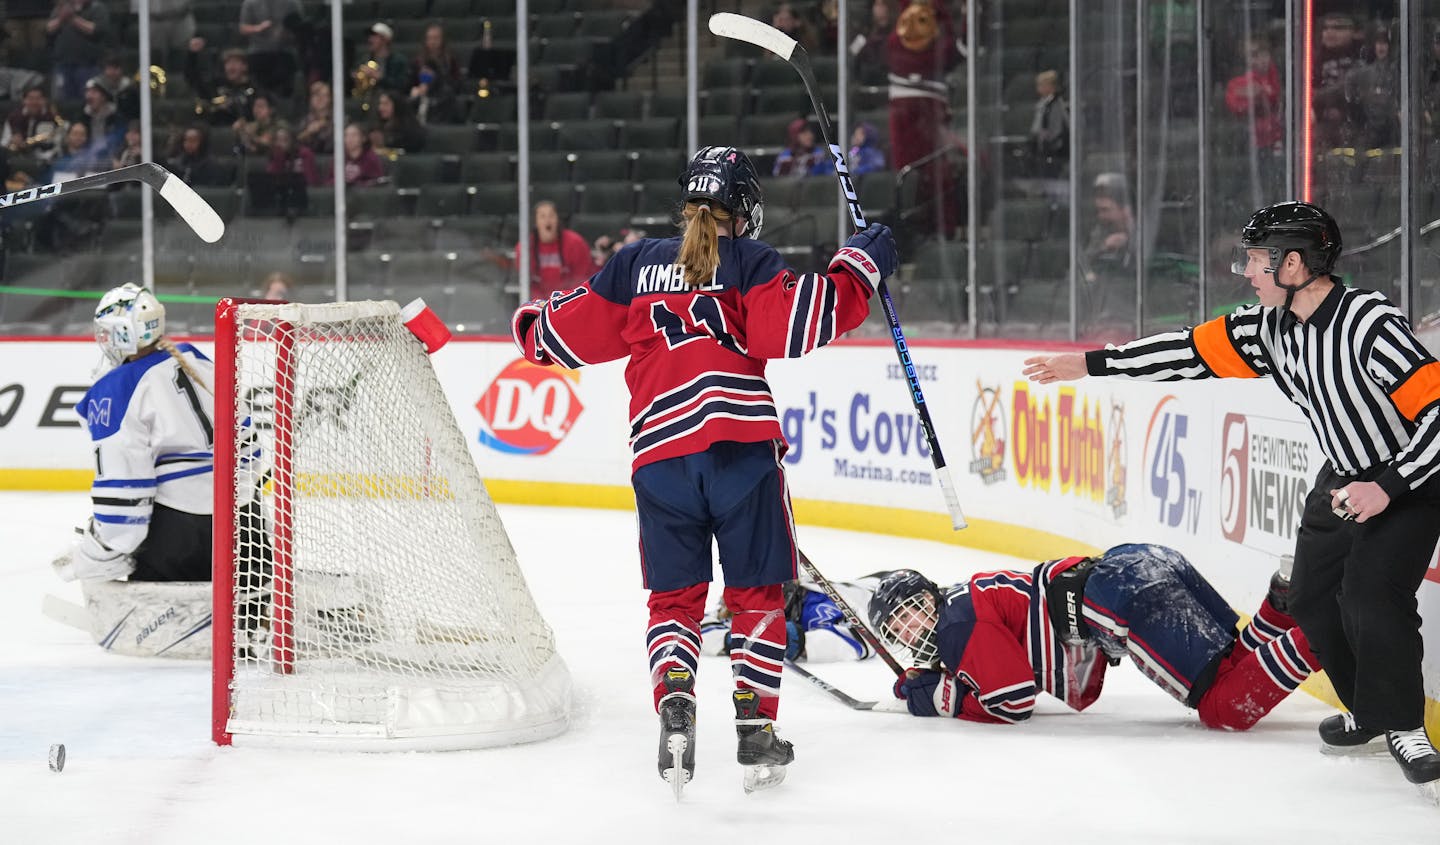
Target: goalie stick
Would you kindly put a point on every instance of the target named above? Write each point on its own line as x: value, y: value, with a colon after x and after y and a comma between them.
x: 741, y: 28
x: 191, y: 208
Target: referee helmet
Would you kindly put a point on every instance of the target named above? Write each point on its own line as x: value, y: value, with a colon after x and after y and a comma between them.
x: 1291, y: 227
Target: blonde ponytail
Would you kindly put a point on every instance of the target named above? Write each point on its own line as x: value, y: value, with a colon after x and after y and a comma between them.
x: 700, y: 248
x: 169, y: 346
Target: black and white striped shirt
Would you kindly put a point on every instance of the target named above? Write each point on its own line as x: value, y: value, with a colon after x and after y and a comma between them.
x: 1355, y: 370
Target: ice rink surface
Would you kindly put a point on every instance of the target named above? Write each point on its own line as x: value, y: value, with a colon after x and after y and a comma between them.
x: 1136, y: 768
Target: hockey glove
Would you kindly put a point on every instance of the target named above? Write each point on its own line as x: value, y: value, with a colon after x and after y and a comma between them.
x: 869, y: 254
x: 928, y: 693
x: 89, y: 559
x: 794, y: 641
x: 525, y: 315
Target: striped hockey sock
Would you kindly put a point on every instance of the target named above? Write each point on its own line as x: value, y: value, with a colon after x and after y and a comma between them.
x: 1267, y: 624
x: 1251, y: 683
x: 757, y: 643
x: 673, y: 637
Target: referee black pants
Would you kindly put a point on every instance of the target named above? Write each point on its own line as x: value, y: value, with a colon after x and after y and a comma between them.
x: 1353, y: 593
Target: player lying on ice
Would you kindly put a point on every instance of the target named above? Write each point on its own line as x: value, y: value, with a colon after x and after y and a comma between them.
x: 150, y: 418
x: 996, y: 641
x: 815, y: 628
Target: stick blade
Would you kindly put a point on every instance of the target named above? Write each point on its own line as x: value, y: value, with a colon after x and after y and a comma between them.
x: 759, y: 33
x: 192, y: 209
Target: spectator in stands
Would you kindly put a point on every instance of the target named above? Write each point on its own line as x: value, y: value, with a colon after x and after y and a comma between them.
x: 792, y: 23
x: 278, y: 287
x: 130, y: 151
x: 270, y: 44
x: 227, y: 100
x: 79, y: 30
x: 384, y: 69
x: 190, y: 158
x: 363, y: 167
x: 1373, y: 93
x: 559, y: 257
x: 1049, y: 127
x: 33, y: 129
x: 1108, y: 249
x: 1339, y: 50
x: 868, y: 47
x: 107, y: 127
x: 865, y: 154
x: 122, y: 89
x: 803, y: 155
x: 172, y: 25
x: 1255, y: 96
x: 827, y: 24
x: 919, y: 54
x: 434, y: 95
x: 76, y: 157
x: 393, y: 128
x: 606, y: 246
x: 289, y: 156
x: 69, y: 222
x: 317, y: 129
x: 258, y: 133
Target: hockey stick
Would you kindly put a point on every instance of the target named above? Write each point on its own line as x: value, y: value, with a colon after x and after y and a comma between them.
x: 191, y: 208
x: 741, y: 28
x: 840, y: 695
x: 851, y: 617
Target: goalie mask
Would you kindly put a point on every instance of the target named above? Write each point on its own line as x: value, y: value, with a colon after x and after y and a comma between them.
x: 128, y: 319
x: 904, y: 613
x: 725, y: 175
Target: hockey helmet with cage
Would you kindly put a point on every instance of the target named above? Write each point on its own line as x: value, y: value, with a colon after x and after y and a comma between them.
x: 1291, y: 227
x: 726, y: 176
x: 128, y: 319
x: 904, y: 611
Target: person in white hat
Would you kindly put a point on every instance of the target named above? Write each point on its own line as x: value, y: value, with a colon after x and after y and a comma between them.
x: 384, y: 68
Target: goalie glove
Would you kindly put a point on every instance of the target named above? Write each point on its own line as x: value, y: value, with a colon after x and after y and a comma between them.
x: 89, y: 559
x: 928, y: 693
x: 525, y: 316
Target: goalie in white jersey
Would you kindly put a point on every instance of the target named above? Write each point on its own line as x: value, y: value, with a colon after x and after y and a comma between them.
x: 150, y: 420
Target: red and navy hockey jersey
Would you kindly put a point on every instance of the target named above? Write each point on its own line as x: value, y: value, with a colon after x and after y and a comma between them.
x: 997, y: 640
x: 697, y: 356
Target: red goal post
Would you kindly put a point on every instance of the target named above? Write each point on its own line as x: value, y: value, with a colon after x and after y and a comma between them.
x: 365, y: 592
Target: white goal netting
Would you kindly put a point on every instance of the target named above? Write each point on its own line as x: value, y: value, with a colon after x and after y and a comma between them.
x: 376, y: 597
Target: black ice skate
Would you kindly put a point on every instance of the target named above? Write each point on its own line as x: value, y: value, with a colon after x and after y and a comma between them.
x: 1416, y: 756
x: 677, y: 729
x: 1279, y: 594
x: 1340, y: 735
x: 763, y: 754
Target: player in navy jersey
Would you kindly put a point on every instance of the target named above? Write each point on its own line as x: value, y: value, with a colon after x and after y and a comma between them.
x: 986, y: 647
x: 699, y: 315
x: 1349, y: 361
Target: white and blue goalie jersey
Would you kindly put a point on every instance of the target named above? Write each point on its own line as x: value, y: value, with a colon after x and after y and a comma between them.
x: 154, y: 436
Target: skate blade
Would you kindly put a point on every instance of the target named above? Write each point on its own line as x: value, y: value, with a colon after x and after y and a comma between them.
x: 676, y: 775
x: 762, y: 777
x: 1430, y: 791
x: 1373, y: 748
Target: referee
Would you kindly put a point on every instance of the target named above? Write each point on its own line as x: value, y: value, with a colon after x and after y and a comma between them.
x: 1349, y: 362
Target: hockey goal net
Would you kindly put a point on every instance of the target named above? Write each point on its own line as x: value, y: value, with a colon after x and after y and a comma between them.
x: 366, y: 593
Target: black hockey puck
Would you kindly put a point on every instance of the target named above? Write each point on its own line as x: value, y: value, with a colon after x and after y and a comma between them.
x: 57, y: 757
